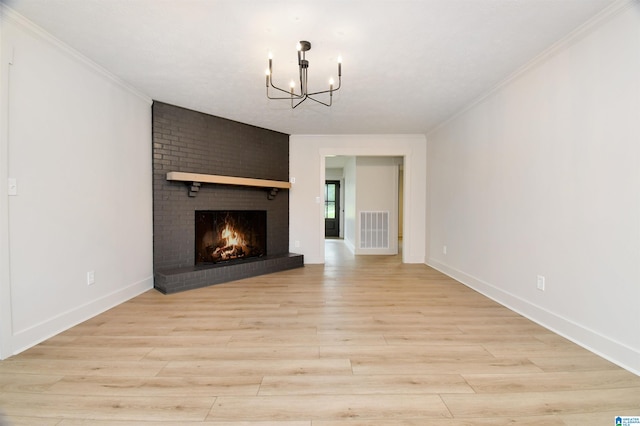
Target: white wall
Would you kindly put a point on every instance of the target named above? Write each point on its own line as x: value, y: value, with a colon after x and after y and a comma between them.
x: 350, y: 186
x: 377, y: 190
x: 542, y: 177
x: 79, y: 144
x: 307, y: 165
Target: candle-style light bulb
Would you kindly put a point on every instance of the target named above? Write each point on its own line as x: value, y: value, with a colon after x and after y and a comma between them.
x: 268, y: 73
x: 292, y: 85
x: 331, y: 84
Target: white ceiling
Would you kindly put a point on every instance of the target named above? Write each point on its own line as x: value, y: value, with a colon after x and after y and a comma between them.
x: 407, y: 64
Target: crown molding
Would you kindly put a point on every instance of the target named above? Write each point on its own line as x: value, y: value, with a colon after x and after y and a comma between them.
x: 570, y: 39
x: 9, y: 15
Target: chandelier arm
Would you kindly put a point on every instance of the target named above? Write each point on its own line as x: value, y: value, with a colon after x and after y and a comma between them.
x: 282, y: 90
x: 284, y: 97
x: 328, y: 91
x: 294, y: 95
x: 291, y: 95
x: 320, y: 102
x: 323, y: 91
x: 304, y: 99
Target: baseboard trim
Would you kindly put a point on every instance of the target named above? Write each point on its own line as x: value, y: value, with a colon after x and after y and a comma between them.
x: 611, y: 350
x: 44, y: 330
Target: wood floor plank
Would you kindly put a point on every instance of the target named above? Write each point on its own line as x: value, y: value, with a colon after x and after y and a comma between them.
x: 505, y: 383
x: 32, y: 421
x: 535, y: 349
x: 152, y: 387
x: 204, y: 340
x: 81, y: 367
x: 306, y: 339
x: 256, y: 367
x: 328, y: 407
x: 382, y: 329
x: 248, y: 330
x: 140, y: 409
x: 83, y: 353
x: 437, y: 365
x: 17, y: 382
x: 418, y: 353
x: 507, y: 326
x: 537, y: 403
x: 364, y: 385
x: 233, y: 353
x: 128, y: 329
x: 453, y: 338
x: 596, y: 418
x: 494, y: 421
x: 584, y: 362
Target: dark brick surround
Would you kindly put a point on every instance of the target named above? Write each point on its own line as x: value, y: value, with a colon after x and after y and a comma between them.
x: 190, y: 141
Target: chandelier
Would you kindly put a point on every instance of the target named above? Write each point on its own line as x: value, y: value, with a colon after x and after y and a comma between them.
x: 303, y: 94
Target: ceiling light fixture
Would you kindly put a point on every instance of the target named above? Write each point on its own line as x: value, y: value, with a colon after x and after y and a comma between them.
x: 303, y: 65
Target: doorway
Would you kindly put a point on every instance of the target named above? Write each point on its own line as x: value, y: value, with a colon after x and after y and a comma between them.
x: 332, y: 208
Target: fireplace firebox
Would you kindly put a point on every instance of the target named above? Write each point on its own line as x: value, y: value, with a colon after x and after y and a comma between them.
x: 229, y: 235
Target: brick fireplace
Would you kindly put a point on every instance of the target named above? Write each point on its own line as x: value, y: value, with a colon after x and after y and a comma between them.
x: 194, y: 142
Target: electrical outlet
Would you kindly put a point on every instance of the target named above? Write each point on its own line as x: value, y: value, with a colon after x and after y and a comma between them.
x: 296, y: 243
x: 91, y: 277
x: 444, y: 249
x: 540, y: 283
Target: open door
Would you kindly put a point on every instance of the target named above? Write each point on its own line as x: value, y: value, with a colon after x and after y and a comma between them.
x: 332, y: 208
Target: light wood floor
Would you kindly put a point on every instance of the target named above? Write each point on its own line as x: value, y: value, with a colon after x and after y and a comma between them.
x: 366, y: 341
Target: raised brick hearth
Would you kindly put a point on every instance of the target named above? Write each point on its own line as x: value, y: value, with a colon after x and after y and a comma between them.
x: 193, y: 142
x: 176, y: 280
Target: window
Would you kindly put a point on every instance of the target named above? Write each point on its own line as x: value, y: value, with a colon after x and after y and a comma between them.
x: 330, y: 200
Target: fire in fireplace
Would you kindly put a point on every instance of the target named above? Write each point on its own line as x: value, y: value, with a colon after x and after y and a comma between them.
x: 226, y: 235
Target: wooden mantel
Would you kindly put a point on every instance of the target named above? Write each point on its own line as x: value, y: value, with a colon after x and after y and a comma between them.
x: 196, y: 179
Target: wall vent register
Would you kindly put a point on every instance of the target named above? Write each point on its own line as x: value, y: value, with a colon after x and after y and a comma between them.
x: 374, y: 229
